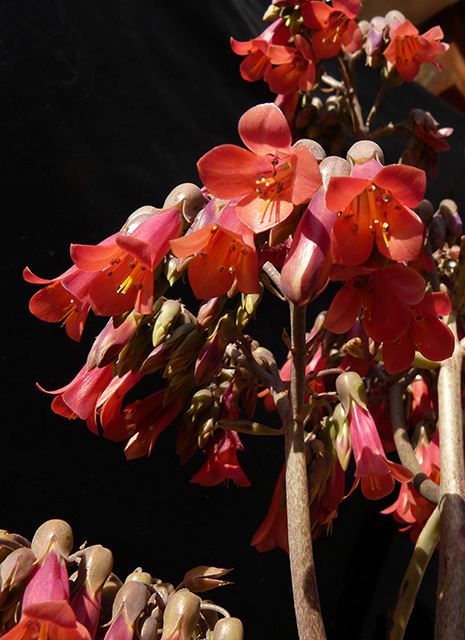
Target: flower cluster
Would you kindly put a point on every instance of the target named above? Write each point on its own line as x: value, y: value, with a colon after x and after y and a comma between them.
x: 42, y: 599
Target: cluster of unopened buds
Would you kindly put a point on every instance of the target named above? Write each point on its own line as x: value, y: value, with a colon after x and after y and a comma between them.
x: 279, y: 216
x: 49, y: 592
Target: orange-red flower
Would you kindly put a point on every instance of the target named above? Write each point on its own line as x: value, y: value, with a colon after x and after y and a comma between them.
x: 270, y: 177
x: 374, y: 205
x: 408, y: 50
x: 222, y: 463
x: 224, y: 252
x: 273, y: 530
x: 296, y: 67
x: 334, y: 27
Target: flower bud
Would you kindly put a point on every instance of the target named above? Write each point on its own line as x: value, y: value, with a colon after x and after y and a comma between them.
x: 228, y: 629
x: 188, y: 197
x: 131, y: 599
x: 425, y: 210
x: 96, y: 564
x: 166, y: 318
x: 448, y: 209
x: 315, y: 148
x: 181, y: 616
x: 307, y: 268
x: 350, y: 388
x: 209, y: 311
x: 137, y: 218
x: 203, y: 578
x: 439, y: 228
x: 333, y: 166
x: 16, y: 566
x: 342, y: 440
x: 364, y: 151
x: 57, y: 531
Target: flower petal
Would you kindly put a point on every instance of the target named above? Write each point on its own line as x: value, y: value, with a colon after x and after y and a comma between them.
x: 264, y: 129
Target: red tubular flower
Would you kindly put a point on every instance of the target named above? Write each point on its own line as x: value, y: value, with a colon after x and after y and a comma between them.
x: 334, y: 27
x: 374, y: 471
x: 142, y: 422
x: 425, y: 332
x: 225, y: 255
x: 296, y: 67
x: 273, y: 530
x: 408, y: 50
x: 270, y: 177
x: 257, y: 63
x: 385, y: 296
x: 123, y: 268
x: 222, y: 463
x: 55, y: 303
x: 374, y: 206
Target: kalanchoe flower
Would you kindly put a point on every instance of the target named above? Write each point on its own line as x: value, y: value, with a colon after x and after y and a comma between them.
x: 222, y: 463
x: 427, y: 141
x: 273, y: 530
x: 425, y: 332
x: 296, y: 67
x: 374, y: 206
x: 257, y: 63
x: 334, y: 27
x: 122, y: 269
x: 225, y: 255
x: 270, y: 177
x: 408, y: 50
x: 374, y: 471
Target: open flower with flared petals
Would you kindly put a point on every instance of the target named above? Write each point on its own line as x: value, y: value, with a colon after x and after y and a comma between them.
x: 142, y: 421
x: 224, y: 251
x: 55, y: 303
x: 334, y: 27
x: 425, y: 332
x: 408, y: 50
x: 374, y: 471
x: 123, y: 268
x: 222, y: 463
x: 296, y: 67
x: 270, y: 177
x: 374, y: 205
x: 385, y: 297
x: 257, y: 64
x: 46, y: 613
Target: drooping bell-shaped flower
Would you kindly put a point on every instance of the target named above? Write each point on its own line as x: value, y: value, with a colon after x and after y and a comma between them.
x: 334, y: 27
x: 374, y: 471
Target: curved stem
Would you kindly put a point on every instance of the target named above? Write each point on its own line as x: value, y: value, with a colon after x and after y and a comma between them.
x: 304, y: 585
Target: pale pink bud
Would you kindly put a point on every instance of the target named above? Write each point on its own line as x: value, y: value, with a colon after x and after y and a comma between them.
x: 181, y: 616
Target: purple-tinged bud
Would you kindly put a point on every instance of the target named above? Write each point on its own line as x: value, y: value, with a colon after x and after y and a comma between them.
x: 425, y: 210
x: 448, y: 209
x: 228, y: 629
x: 204, y: 578
x: 52, y: 531
x: 181, y: 616
x: 375, y: 35
x: 307, y: 268
x: 350, y: 388
x: 439, y: 229
x: 184, y: 354
x: 209, y: 311
x: 315, y: 148
x: 111, y: 340
x: 188, y: 197
x: 394, y: 16
x: 167, y: 317
x: 364, y: 151
x: 212, y: 352
x: 333, y: 166
x: 16, y: 566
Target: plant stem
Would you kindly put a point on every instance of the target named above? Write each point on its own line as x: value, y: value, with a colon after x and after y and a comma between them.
x: 306, y: 600
x: 450, y: 601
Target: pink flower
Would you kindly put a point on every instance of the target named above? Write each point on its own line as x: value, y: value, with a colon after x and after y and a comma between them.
x: 222, y: 463
x: 374, y: 471
x: 408, y: 50
x: 296, y: 67
x: 269, y: 178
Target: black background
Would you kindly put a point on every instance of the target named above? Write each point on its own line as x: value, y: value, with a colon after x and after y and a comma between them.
x: 108, y: 106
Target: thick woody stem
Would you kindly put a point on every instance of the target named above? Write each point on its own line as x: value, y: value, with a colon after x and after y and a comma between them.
x: 450, y: 601
x: 306, y: 600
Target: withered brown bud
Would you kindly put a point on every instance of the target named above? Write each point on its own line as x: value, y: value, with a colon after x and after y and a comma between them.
x: 203, y: 578
x: 228, y: 629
